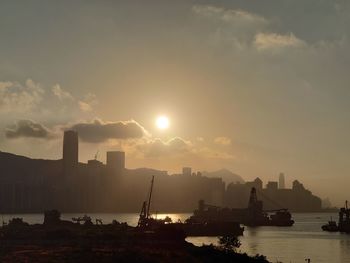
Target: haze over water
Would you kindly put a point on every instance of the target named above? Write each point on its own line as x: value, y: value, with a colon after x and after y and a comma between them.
x: 304, y: 239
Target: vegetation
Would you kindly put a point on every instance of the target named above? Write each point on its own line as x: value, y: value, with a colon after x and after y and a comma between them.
x: 229, y: 243
x: 109, y: 254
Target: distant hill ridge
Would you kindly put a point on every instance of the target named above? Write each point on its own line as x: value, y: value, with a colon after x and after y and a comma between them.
x: 20, y: 167
x: 226, y: 175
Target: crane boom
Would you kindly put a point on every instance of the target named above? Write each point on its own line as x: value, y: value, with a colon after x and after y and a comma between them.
x: 150, y: 197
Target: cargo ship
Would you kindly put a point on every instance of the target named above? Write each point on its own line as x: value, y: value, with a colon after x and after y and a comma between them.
x: 254, y: 215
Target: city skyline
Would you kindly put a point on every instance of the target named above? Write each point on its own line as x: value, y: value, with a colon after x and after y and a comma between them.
x: 256, y: 88
x: 31, y: 185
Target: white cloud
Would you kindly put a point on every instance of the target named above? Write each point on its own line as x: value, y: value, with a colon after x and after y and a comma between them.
x: 228, y: 15
x: 88, y: 102
x: 179, y: 148
x: 15, y: 97
x: 31, y: 100
x: 158, y: 148
x: 60, y: 93
x: 264, y: 41
x: 244, y: 31
x: 84, y: 106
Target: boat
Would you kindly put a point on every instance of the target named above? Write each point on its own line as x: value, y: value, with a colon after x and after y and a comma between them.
x: 343, y: 222
x: 344, y: 219
x: 281, y: 218
x: 253, y: 215
x: 331, y: 226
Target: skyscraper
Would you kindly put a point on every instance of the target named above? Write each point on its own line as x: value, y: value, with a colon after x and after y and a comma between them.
x: 115, y: 162
x: 70, y: 153
x: 187, y: 171
x: 281, y: 181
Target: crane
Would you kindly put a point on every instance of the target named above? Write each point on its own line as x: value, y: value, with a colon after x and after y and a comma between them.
x: 145, y: 211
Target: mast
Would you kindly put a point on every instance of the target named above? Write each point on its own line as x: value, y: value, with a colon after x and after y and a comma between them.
x: 150, y: 197
x: 253, y: 199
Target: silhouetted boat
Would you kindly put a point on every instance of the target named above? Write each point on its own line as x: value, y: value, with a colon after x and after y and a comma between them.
x: 343, y: 222
x: 254, y: 215
x: 331, y: 226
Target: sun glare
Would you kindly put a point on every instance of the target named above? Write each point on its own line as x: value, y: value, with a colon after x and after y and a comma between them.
x: 162, y: 122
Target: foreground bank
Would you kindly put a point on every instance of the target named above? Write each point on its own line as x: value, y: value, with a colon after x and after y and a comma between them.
x: 59, y: 240
x: 63, y: 252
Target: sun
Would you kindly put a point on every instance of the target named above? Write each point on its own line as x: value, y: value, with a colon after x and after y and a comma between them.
x: 162, y: 122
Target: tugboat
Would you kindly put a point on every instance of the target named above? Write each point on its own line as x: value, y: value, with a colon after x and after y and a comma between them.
x: 331, y: 226
x: 281, y: 218
x: 344, y: 221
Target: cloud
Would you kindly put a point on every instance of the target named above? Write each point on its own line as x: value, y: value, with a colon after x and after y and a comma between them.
x: 228, y: 15
x: 84, y: 106
x: 178, y: 147
x: 18, y: 98
x: 222, y: 140
x: 31, y: 100
x: 88, y: 102
x: 243, y: 30
x: 158, y: 148
x: 28, y: 128
x: 99, y: 131
x: 61, y: 94
x: 265, y: 41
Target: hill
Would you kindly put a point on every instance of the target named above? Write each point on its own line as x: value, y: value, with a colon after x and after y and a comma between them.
x: 19, y: 168
x: 226, y: 175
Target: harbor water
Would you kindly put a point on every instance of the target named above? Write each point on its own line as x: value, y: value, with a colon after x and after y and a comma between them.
x: 304, y: 240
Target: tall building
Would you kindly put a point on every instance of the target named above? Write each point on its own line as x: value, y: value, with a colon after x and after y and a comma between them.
x: 281, y: 181
x: 272, y: 186
x: 70, y: 153
x: 186, y: 171
x: 115, y: 162
x: 297, y: 186
x: 257, y: 184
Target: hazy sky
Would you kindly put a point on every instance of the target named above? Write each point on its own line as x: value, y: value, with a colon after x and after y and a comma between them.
x: 258, y: 87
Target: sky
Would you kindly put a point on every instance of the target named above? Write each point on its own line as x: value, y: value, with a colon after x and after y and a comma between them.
x: 256, y: 87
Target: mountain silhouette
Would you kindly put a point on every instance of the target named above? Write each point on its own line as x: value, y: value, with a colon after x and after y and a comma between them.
x: 20, y: 168
x: 226, y: 175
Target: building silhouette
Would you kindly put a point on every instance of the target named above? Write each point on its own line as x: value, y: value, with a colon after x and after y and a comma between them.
x: 115, y: 162
x: 70, y: 153
x: 281, y: 181
x: 297, y: 199
x: 271, y: 186
x: 187, y: 171
x: 257, y: 184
